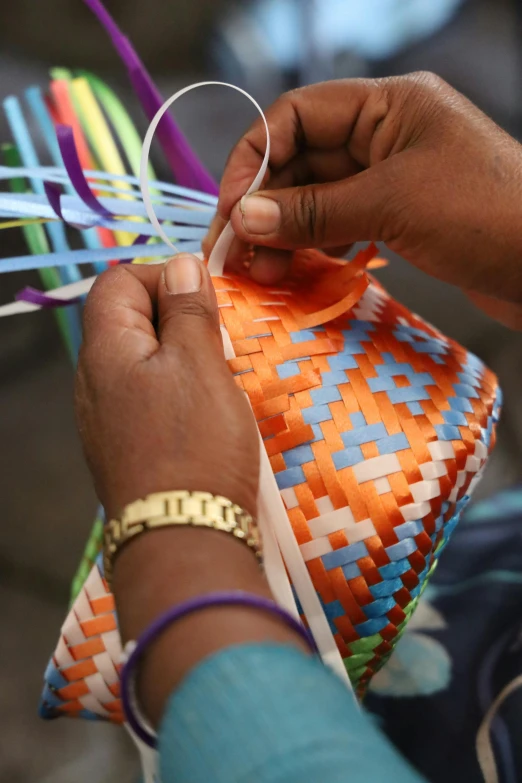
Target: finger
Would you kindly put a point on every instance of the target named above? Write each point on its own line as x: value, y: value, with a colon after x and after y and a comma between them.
x: 322, y: 216
x: 329, y: 166
x: 507, y: 313
x: 119, y: 312
x: 187, y: 304
x: 340, y: 252
x: 314, y: 165
x: 269, y: 266
x: 319, y: 117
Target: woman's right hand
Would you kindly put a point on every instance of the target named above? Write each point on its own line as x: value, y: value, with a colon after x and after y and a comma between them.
x: 407, y: 161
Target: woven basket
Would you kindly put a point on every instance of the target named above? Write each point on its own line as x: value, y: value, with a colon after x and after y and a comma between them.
x: 377, y: 428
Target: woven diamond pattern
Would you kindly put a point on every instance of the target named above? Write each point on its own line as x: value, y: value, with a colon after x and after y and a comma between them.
x: 377, y: 428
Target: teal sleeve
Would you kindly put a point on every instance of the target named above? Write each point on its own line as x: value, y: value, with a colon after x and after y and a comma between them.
x: 270, y: 714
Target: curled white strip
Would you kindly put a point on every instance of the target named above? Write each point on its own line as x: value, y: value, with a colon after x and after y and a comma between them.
x: 278, y: 535
x: 218, y: 256
x: 484, y: 746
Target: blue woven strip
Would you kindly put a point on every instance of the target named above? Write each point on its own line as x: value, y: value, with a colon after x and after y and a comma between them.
x: 316, y: 414
x: 370, y: 432
x: 347, y: 458
x: 289, y: 478
x: 347, y: 554
x: 393, y: 443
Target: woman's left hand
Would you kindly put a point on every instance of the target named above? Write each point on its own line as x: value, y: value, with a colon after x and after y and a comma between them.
x: 157, y: 406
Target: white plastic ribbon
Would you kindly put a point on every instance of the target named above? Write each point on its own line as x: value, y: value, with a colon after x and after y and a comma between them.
x: 275, y: 526
x: 216, y: 262
x: 484, y: 746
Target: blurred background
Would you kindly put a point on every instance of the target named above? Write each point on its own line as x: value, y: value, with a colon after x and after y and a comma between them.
x: 265, y: 46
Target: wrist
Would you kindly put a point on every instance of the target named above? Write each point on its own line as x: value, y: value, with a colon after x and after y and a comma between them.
x: 117, y: 494
x: 162, y: 568
x: 173, y: 564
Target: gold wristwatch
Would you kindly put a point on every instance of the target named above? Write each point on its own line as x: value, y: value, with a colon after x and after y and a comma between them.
x: 165, y: 509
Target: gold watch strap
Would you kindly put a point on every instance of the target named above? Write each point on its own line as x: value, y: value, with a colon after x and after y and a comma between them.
x: 165, y: 509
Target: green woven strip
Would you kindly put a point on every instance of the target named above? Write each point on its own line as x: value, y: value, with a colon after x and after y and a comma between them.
x: 37, y: 243
x: 91, y: 552
x: 355, y: 661
x: 367, y: 644
x: 356, y: 674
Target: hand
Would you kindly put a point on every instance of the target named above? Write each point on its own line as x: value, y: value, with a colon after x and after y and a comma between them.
x: 407, y: 161
x: 157, y: 406
x: 158, y: 409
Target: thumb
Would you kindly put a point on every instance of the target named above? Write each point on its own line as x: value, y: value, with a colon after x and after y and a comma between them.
x: 187, y: 305
x: 323, y: 216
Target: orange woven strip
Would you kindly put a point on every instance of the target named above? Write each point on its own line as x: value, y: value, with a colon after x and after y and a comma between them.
x: 98, y: 625
x: 87, y: 649
x: 102, y: 605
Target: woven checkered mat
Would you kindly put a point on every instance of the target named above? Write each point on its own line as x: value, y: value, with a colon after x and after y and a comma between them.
x: 377, y: 428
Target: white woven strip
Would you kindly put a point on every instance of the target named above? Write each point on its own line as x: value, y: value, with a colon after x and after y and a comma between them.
x: 376, y: 467
x: 316, y: 548
x: 481, y: 450
x: 423, y: 491
x: 433, y: 470
x: 97, y: 686
x: 441, y: 449
x: 289, y: 497
x: 94, y: 584
x: 91, y: 703
x: 72, y: 631
x: 113, y: 646
x: 382, y: 485
x: 62, y: 656
x: 473, y: 464
x: 82, y: 605
x: 105, y: 666
x: 331, y: 523
x: 324, y: 505
x: 413, y: 511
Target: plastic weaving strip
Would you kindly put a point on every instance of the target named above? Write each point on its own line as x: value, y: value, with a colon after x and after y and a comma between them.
x: 101, y: 139
x: 37, y: 242
x: 28, y: 155
x: 186, y: 167
x: 44, y: 120
x: 64, y: 109
x: 373, y: 485
x: 65, y: 136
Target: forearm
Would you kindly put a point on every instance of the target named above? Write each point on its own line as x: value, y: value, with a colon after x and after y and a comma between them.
x: 165, y: 567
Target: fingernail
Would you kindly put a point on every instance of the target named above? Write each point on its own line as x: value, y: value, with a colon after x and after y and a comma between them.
x: 183, y: 274
x: 260, y: 215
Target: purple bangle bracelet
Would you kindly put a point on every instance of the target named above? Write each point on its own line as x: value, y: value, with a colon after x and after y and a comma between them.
x: 172, y: 615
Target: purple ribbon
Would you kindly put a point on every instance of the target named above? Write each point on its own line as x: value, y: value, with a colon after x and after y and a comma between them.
x: 71, y: 160
x: 53, y: 193
x: 36, y: 297
x: 186, y: 166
